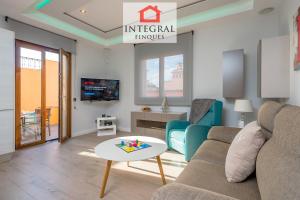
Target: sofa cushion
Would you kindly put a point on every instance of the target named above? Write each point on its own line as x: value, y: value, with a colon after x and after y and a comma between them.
x: 213, y: 152
x: 205, y: 175
x: 278, y: 162
x: 177, y: 145
x: 223, y: 134
x: 287, y: 130
x: 241, y: 156
x: 177, y: 140
x: 266, y: 116
x: 178, y: 134
x: 177, y: 191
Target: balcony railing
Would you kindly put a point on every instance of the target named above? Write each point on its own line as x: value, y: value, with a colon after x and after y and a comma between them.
x: 30, y: 63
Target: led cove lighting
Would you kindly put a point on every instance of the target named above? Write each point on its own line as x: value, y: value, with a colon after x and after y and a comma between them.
x: 46, y: 19
x: 216, y: 13
x: 42, y: 4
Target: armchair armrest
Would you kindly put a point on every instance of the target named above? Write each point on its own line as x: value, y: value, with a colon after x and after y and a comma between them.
x: 177, y: 191
x: 175, y: 124
x: 223, y: 134
x: 195, y: 136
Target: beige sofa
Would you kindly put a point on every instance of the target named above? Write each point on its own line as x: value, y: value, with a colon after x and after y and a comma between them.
x: 277, y: 175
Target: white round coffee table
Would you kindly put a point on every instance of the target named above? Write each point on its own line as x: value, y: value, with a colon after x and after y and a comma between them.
x: 110, y: 152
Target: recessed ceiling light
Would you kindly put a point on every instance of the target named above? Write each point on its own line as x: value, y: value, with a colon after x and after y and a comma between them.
x: 266, y: 10
x: 83, y: 11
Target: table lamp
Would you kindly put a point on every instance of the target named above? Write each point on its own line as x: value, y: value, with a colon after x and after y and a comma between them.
x: 243, y: 106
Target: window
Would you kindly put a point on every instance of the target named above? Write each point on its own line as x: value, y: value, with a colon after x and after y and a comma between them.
x: 151, y: 76
x: 173, y: 76
x: 164, y: 70
x: 31, y: 59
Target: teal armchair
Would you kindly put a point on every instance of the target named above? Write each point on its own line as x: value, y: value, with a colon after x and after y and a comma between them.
x: 186, y: 138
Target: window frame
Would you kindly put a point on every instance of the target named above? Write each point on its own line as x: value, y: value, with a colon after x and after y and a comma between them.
x: 183, y: 46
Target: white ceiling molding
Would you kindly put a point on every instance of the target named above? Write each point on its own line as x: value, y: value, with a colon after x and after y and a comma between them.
x: 43, y: 12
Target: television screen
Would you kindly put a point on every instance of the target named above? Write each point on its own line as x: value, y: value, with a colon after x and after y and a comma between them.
x: 99, y: 89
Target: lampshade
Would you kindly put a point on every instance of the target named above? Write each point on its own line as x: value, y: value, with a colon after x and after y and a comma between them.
x: 243, y: 105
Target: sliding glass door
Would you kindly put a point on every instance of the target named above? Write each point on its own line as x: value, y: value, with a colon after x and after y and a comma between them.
x: 52, y: 95
x: 29, y: 91
x: 42, y: 94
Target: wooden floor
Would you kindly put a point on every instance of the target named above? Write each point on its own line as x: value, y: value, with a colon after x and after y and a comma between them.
x: 73, y: 172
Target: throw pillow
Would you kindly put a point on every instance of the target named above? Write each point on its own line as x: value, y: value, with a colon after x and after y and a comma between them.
x: 242, y: 153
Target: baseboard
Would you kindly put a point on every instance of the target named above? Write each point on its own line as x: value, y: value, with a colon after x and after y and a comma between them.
x: 123, y: 129
x: 6, y: 157
x: 84, y: 132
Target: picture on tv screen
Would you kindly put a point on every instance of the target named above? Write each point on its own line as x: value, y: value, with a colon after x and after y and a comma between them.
x: 99, y: 89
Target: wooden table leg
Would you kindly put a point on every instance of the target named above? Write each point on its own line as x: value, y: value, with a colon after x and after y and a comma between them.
x: 161, y: 170
x: 105, y: 177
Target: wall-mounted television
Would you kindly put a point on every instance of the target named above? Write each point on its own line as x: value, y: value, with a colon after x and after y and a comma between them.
x: 99, y: 89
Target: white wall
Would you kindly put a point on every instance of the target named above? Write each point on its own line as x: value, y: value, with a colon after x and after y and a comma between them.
x: 38, y: 36
x: 121, y: 67
x: 236, y: 32
x: 90, y: 62
x: 288, y: 11
x: 7, y: 87
x: 210, y: 40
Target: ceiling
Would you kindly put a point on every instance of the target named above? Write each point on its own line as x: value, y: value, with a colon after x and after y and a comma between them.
x: 102, y: 23
x: 112, y: 10
x: 105, y: 16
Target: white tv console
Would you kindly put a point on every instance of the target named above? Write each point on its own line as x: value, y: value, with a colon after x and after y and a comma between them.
x: 106, y: 129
